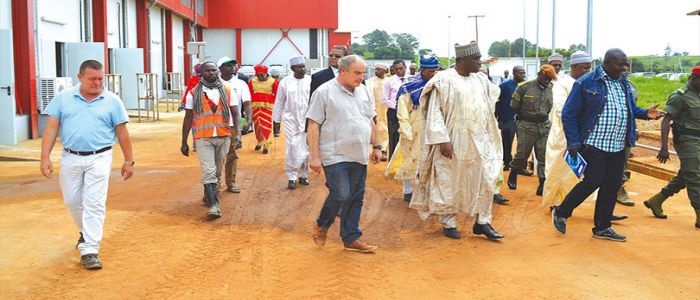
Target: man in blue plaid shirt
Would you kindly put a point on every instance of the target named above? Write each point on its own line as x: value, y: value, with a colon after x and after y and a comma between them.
x: 598, y: 121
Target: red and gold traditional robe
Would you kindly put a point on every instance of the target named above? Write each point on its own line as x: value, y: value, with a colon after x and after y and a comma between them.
x: 263, y: 95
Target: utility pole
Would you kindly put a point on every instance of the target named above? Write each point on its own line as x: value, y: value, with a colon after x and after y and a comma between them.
x: 537, y: 38
x: 524, y: 25
x: 476, y: 22
x: 589, y: 29
x: 448, y: 41
x: 554, y: 25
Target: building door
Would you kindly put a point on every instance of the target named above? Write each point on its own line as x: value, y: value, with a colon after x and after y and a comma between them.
x: 8, y: 107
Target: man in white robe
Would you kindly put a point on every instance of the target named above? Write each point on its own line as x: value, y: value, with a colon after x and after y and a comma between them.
x: 462, y: 156
x: 290, y: 107
x: 560, y: 178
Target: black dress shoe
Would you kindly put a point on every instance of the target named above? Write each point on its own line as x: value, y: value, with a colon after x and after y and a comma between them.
x: 304, y: 181
x: 407, y: 197
x: 451, y: 233
x: 292, y: 184
x: 615, y: 217
x: 486, y: 230
x: 558, y: 222
x: 265, y: 151
x: 257, y: 148
x: 513, y: 179
x: 498, y: 199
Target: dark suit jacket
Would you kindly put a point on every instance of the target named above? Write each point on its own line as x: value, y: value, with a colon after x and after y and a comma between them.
x: 319, y: 78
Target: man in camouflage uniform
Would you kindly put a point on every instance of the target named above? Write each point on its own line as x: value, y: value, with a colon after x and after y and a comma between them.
x: 531, y: 103
x: 683, y: 107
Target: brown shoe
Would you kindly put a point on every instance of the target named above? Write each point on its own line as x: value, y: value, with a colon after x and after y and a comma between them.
x: 233, y: 189
x: 319, y: 235
x: 360, y: 246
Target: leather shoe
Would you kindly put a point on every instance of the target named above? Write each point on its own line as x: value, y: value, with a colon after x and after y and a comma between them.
x: 451, y: 233
x: 499, y: 199
x: 304, y: 181
x: 292, y: 184
x: 615, y: 217
x: 257, y: 147
x: 513, y: 179
x: 359, y: 246
x: 91, y: 262
x: 407, y: 197
x: 319, y: 235
x: 486, y: 230
x: 540, y: 188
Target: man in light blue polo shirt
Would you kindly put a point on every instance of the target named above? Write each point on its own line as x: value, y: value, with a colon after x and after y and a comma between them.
x: 89, y: 118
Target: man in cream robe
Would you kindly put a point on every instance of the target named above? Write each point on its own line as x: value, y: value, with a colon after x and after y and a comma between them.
x: 462, y: 155
x: 291, y: 103
x: 376, y: 85
x: 411, y: 123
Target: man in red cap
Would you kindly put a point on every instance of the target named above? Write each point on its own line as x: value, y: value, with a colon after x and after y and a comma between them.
x: 683, y: 107
x: 263, y: 89
x: 531, y: 103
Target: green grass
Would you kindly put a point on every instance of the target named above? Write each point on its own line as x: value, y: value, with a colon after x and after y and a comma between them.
x: 654, y: 91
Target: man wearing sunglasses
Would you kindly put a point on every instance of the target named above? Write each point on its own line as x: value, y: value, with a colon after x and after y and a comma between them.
x: 331, y: 72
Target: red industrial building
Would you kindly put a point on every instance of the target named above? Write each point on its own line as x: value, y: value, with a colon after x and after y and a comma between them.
x: 45, y: 39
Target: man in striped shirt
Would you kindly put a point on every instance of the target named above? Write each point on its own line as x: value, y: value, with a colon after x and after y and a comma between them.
x: 598, y: 121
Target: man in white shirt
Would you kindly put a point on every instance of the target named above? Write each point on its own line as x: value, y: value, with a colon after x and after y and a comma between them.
x: 391, y: 89
x: 240, y: 90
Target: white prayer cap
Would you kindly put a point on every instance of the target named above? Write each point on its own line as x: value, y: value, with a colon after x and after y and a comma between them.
x: 224, y: 60
x: 555, y: 56
x: 381, y: 65
x: 297, y: 60
x: 580, y: 57
x: 274, y: 72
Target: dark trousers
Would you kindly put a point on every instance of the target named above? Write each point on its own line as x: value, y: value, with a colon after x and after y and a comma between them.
x: 346, y: 192
x: 603, y: 173
x: 393, y: 126
x: 507, y: 136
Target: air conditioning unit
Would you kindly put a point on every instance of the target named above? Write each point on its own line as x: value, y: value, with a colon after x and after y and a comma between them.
x: 49, y: 87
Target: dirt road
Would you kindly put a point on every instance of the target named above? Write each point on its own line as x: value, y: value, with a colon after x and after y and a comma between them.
x: 158, y: 245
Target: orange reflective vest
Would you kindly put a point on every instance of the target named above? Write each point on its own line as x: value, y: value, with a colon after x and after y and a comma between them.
x: 210, y: 124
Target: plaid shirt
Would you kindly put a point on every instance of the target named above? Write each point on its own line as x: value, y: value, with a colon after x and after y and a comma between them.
x: 610, y: 132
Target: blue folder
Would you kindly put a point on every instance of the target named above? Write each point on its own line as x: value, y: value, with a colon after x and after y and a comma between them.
x: 577, y: 163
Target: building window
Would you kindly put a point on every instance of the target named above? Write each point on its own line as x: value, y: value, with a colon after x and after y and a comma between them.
x: 199, y: 7
x: 313, y: 43
x: 187, y: 3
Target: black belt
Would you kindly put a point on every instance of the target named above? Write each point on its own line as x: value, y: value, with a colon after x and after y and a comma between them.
x: 679, y: 130
x: 86, y: 153
x: 537, y: 119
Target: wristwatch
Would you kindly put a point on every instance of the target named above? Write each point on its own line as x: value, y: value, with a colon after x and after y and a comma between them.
x: 377, y: 147
x: 130, y: 162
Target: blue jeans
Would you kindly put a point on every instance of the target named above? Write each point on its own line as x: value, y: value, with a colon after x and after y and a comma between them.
x: 346, y: 191
x: 602, y: 173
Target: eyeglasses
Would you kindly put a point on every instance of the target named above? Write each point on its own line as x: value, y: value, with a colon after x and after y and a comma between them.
x: 555, y: 65
x: 335, y: 55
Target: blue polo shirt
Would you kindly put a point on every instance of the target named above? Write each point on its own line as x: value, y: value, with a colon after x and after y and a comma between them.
x: 87, y: 126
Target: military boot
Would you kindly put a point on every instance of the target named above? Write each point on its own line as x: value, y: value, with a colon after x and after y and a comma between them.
x: 654, y: 203
x: 540, y: 187
x: 623, y: 198
x: 214, y: 210
x: 697, y: 218
x: 205, y: 199
x: 513, y: 179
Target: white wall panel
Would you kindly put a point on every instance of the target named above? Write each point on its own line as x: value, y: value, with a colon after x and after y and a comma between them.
x: 58, y: 21
x: 257, y: 43
x: 131, y: 23
x: 220, y: 42
x: 5, y: 14
x: 178, y: 47
x: 113, y: 15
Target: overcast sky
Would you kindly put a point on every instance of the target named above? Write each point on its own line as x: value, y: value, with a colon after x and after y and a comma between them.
x: 639, y: 27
